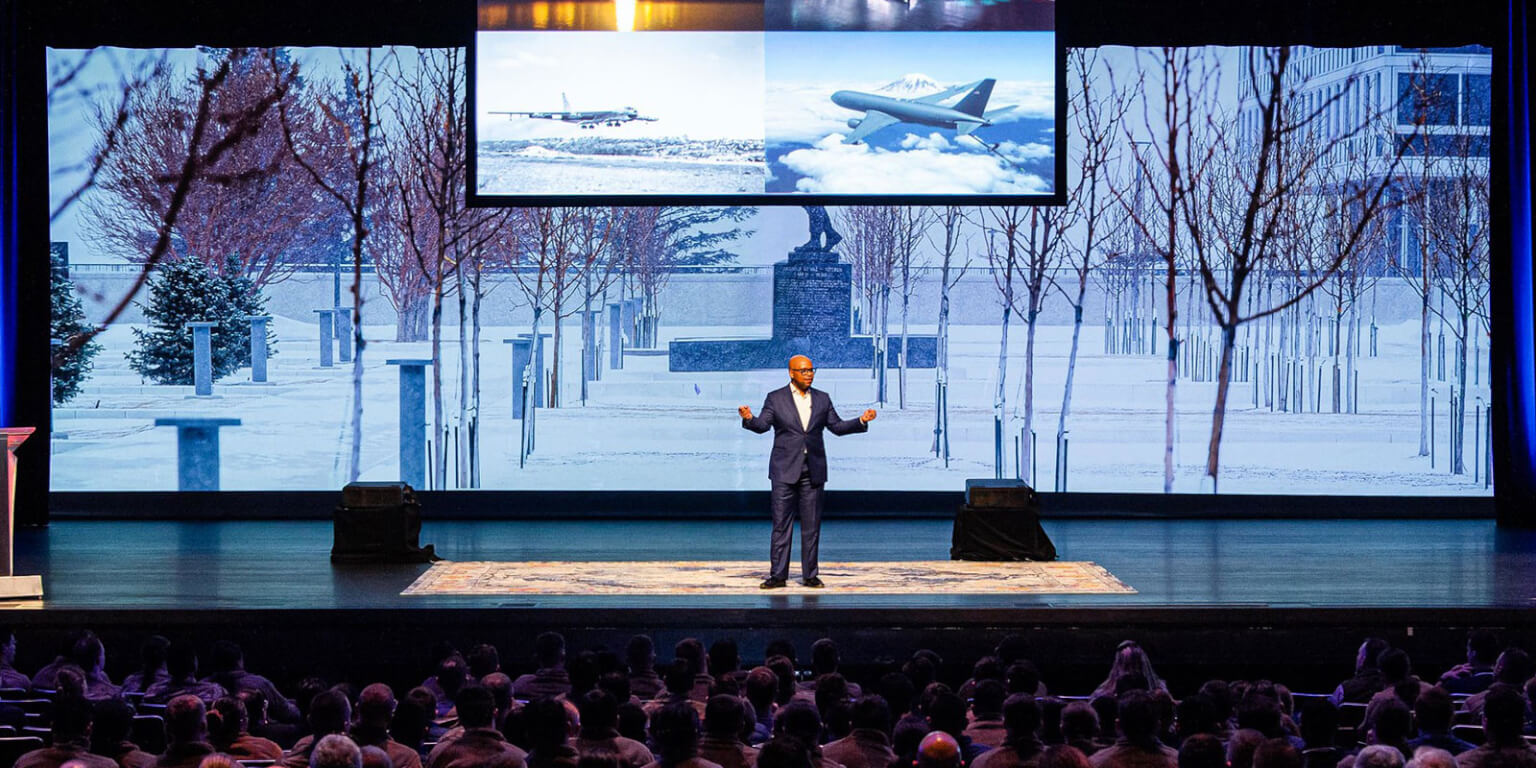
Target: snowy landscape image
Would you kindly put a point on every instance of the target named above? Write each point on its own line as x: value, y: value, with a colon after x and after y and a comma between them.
x: 1348, y: 354
x: 593, y: 113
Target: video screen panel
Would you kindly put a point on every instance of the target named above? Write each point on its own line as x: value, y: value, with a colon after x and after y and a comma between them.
x: 776, y: 102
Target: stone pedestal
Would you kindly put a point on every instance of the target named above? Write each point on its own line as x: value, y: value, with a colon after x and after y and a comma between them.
x: 11, y: 585
x: 327, y: 335
x: 197, y: 451
x: 202, y: 358
x: 413, y: 420
x: 812, y: 297
x: 258, y: 347
x: 589, y: 356
x: 525, y: 355
x: 343, y: 323
x: 616, y: 336
x: 631, y: 320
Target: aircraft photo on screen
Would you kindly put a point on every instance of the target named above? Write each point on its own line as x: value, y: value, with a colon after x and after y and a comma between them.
x: 612, y: 118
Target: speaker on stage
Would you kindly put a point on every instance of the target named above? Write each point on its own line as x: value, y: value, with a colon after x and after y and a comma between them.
x: 379, y: 523
x: 1000, y: 521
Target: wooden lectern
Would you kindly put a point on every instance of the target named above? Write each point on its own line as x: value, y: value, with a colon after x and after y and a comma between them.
x: 11, y: 585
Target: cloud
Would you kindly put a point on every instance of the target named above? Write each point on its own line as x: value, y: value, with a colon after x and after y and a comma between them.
x: 934, y: 141
x: 832, y: 167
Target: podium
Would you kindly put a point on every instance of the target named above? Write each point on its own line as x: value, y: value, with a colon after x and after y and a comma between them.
x: 11, y: 585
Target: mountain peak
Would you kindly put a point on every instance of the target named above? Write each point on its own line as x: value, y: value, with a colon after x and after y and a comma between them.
x: 911, y: 85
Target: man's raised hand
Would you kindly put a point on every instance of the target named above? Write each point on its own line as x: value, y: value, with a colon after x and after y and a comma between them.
x: 869, y: 415
x: 746, y: 413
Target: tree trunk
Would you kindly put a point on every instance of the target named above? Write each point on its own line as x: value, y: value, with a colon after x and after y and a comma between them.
x: 474, y: 401
x: 530, y: 376
x: 1026, y: 435
x: 461, y: 435
x: 883, y: 343
x: 1459, y: 441
x: 1173, y: 376
x: 1219, y: 413
x: 1066, y: 390
x: 1424, y: 355
x: 554, y: 375
x: 411, y: 319
x: 901, y: 381
x: 1000, y: 403
x: 439, y: 451
x: 941, y: 374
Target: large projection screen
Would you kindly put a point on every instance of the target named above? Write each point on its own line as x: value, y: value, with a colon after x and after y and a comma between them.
x: 731, y: 102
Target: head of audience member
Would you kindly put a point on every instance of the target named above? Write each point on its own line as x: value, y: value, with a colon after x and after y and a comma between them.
x: 1395, y: 666
x: 1080, y: 722
x: 1013, y: 647
x: 1379, y: 756
x: 583, y: 670
x: 375, y: 757
x: 309, y: 688
x: 760, y: 688
x: 227, y: 720
x: 939, y: 749
x: 1195, y: 714
x: 1433, y: 711
x: 227, y: 657
x: 784, y: 753
x: 1319, y: 724
x: 599, y: 713
x: 640, y: 653
x: 1021, y: 719
x: 831, y: 688
x: 7, y: 646
x: 476, y: 706
x: 376, y: 706
x: 111, y: 724
x: 1431, y: 757
x: 987, y: 699
x: 1220, y: 695
x: 616, y: 684
x: 500, y: 686
x: 986, y: 668
x: 871, y: 713
x: 1022, y: 676
x: 1369, y: 655
x: 824, y: 657
x: 1242, y: 745
x: 907, y: 734
x: 675, y: 729
x: 724, y: 715
x: 1513, y: 667
x: 335, y: 751
x: 898, y: 692
x: 215, y: 760
x: 69, y: 681
x: 599, y: 758
x: 186, y: 720
x: 1482, y: 647
x: 452, y: 672
x: 89, y: 654
x: 633, y: 721
x: 549, y: 650
x: 690, y: 651
x: 152, y: 656
x: 1277, y: 753
x: 678, y: 679
x: 921, y: 669
x: 1108, y: 710
x: 724, y: 657
x: 412, y: 718
x: 1503, y: 715
x: 1260, y: 713
x: 71, y: 720
x: 181, y: 662
x: 1050, y: 719
x: 1130, y: 659
x: 546, y: 724
x: 1063, y: 756
x: 483, y: 659
x: 780, y: 647
x: 926, y: 696
x: 330, y: 712
x: 784, y: 669
x: 1202, y: 750
x: 946, y: 712
x: 1136, y: 719
x: 799, y: 720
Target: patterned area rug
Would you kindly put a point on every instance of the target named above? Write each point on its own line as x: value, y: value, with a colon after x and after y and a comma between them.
x: 721, y: 577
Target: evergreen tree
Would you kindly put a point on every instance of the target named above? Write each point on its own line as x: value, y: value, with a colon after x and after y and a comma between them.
x: 70, y: 369
x: 185, y: 291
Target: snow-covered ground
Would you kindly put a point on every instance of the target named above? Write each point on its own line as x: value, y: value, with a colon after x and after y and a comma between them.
x: 644, y: 428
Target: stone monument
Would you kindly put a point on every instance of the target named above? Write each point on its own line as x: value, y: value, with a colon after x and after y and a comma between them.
x: 812, y: 300
x: 12, y: 585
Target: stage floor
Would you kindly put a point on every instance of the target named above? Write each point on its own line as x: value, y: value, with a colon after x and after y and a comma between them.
x: 1338, y: 566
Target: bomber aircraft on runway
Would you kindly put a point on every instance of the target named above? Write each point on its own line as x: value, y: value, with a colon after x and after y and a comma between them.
x: 968, y: 114
x: 592, y: 119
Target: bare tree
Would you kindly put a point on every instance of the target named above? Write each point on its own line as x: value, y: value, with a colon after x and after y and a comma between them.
x: 112, y: 107
x: 911, y: 228
x: 1006, y: 259
x: 871, y: 233
x: 657, y: 241
x: 954, y: 244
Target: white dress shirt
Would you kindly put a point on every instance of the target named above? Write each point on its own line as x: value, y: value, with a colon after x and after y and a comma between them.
x: 803, y: 406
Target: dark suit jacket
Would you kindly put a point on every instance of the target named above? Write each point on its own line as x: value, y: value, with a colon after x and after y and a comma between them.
x: 793, y: 446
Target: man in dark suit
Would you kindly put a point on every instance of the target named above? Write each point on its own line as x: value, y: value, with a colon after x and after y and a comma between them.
x: 798, y: 415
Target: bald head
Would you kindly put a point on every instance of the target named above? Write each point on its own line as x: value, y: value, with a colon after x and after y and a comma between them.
x: 376, y: 705
x: 801, y: 371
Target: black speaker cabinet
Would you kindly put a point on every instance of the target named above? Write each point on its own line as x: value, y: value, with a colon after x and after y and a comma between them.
x: 378, y: 523
x: 1000, y: 521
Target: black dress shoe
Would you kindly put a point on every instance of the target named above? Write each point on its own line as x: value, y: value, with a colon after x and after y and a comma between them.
x: 772, y: 584
x: 813, y: 583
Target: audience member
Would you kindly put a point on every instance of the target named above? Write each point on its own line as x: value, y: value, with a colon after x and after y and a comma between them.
x: 1063, y: 756
x: 783, y: 753
x: 825, y: 660
x: 111, y: 727
x: 799, y: 720
x: 483, y: 659
x: 181, y: 679
x: 1241, y: 747
x: 1023, y: 676
x: 1277, y: 753
x: 640, y: 658
x: 1137, y: 745
x: 724, y: 716
x: 1476, y: 674
x: 1080, y: 727
x: 336, y: 751
x: 410, y: 723
x: 1202, y: 750
x: 1513, y: 667
x: 373, y: 757
x: 1374, y: 756
x: 898, y: 691
x: 480, y: 743
x: 152, y: 657
x: 582, y: 669
x: 329, y: 712
x: 547, y: 729
x: 1431, y: 757
x: 550, y: 679
x: 1195, y: 714
x: 91, y: 657
x: 868, y: 744
x: 939, y: 749
x: 452, y: 675
x: 229, y: 672
x: 1367, y: 678
x: 1320, y: 733
x: 783, y: 668
x: 759, y: 690
x: 600, y: 731
x: 71, y: 739
x: 946, y: 712
x: 45, y: 679
x: 229, y: 732
x: 690, y: 653
x: 9, y: 676
x: 1503, y: 717
x: 1433, y: 712
x: 725, y: 662
x: 675, y: 731
x: 186, y: 734
x: 1021, y: 746
x: 1130, y: 660
x: 376, y: 707
x: 987, y: 713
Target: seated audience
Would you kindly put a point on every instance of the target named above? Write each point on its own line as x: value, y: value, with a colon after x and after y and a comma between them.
x: 45, y: 679
x: 868, y: 743
x: 1063, y: 756
x: 1242, y: 746
x: 9, y: 676
x: 373, y: 757
x: 186, y: 734
x: 548, y: 728
x: 1021, y: 746
x: 1431, y: 757
x: 640, y: 658
x: 376, y: 707
x: 784, y: 753
x: 181, y: 679
x: 1476, y: 674
x: 799, y: 720
x: 152, y: 659
x: 690, y: 653
x: 329, y: 712
x: 1374, y: 756
x: 1130, y: 661
x: 110, y: 735
x: 600, y: 731
x: 71, y: 739
x: 1320, y: 733
x: 1433, y: 713
x: 987, y: 713
x: 946, y: 712
x: 725, y: 662
x: 479, y: 743
x: 229, y: 732
x: 1277, y: 753
x: 91, y: 657
x: 1202, y: 750
x: 1367, y: 678
x: 229, y: 672
x: 1138, y: 745
x: 1080, y: 727
x: 759, y: 690
x: 940, y: 750
x: 1503, y: 717
x: 724, y: 718
x: 550, y: 679
x: 335, y: 750
x: 1513, y: 667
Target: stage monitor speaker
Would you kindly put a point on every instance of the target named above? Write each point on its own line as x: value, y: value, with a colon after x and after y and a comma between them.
x: 1000, y: 521
x: 379, y: 523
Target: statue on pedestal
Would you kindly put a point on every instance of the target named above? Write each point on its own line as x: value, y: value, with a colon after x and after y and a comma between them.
x: 821, y: 225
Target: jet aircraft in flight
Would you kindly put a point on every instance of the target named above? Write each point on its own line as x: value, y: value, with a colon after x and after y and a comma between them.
x: 590, y: 119
x: 967, y: 114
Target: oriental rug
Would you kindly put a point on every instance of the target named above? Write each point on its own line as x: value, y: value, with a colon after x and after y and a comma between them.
x: 726, y: 577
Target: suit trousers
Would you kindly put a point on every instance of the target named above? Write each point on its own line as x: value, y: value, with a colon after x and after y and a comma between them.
x: 801, y: 498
